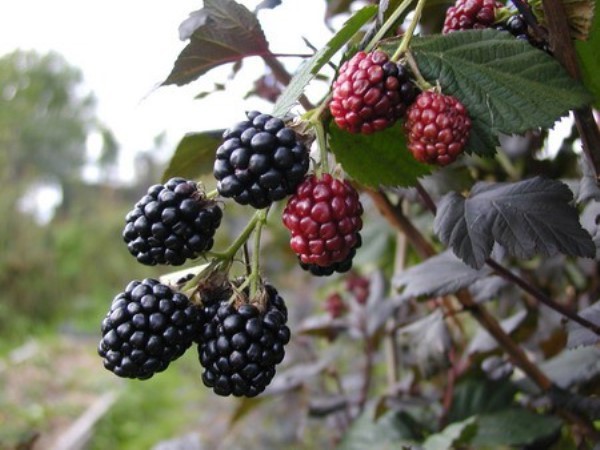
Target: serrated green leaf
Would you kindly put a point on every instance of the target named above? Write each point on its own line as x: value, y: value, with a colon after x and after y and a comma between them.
x: 514, y: 426
x: 194, y: 156
x: 527, y: 218
x: 506, y: 84
x: 224, y: 32
x: 390, y: 431
x: 455, y: 433
x: 589, y: 61
x: 474, y: 396
x: 379, y: 159
x: 311, y: 67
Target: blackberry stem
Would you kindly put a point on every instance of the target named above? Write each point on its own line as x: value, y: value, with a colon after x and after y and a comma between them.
x: 255, y: 265
x: 421, y: 82
x: 316, y: 122
x: 388, y: 24
x: 212, y: 194
x: 405, y: 42
x: 243, y: 237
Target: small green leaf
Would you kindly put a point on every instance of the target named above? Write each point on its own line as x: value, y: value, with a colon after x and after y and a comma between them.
x: 506, y: 84
x: 194, y: 156
x: 311, y: 67
x: 589, y: 62
x: 478, y: 395
x: 224, y: 32
x: 514, y: 426
x: 379, y: 159
x: 455, y: 433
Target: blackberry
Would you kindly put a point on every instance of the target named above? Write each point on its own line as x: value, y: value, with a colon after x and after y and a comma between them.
x: 260, y: 161
x: 517, y: 26
x: 148, y: 326
x: 171, y: 223
x: 340, y: 267
x: 470, y: 14
x: 242, y: 343
x: 438, y: 127
x: 324, y: 218
x: 370, y: 93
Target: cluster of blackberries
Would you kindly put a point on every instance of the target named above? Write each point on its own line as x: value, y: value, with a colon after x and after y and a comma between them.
x: 149, y: 325
x: 371, y: 92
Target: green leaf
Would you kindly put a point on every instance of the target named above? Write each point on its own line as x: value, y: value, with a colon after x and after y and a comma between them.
x: 589, y: 62
x: 475, y: 395
x: 311, y: 67
x: 514, y: 426
x: 506, y: 84
x: 379, y: 159
x: 455, y: 433
x: 194, y: 156
x: 389, y: 432
x: 527, y: 218
x: 224, y: 32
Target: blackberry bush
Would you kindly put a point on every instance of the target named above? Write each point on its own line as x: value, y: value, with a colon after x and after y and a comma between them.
x: 260, y: 161
x: 438, y: 127
x: 242, y: 343
x: 324, y: 218
x: 171, y: 223
x: 148, y: 326
x: 370, y: 93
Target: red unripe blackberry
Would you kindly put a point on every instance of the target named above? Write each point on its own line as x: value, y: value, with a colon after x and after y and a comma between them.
x: 242, y: 343
x: 260, y: 161
x: 370, y: 93
x: 470, y: 14
x: 148, y: 326
x: 335, y: 305
x: 171, y: 223
x: 339, y: 267
x: 324, y: 218
x: 437, y: 127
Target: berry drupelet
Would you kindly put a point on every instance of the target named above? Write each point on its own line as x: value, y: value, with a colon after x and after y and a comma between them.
x: 171, y: 223
x: 470, y: 14
x: 260, y: 161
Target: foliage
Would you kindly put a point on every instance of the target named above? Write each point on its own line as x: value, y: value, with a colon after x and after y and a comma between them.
x: 438, y: 326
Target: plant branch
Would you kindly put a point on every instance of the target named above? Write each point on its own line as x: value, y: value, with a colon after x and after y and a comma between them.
x: 564, y: 51
x: 388, y: 24
x: 409, y: 33
x: 540, y: 296
x: 485, y: 319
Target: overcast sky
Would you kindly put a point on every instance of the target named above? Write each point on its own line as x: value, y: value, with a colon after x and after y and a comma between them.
x: 126, y: 48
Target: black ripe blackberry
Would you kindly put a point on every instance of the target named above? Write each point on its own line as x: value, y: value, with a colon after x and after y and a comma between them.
x: 339, y: 267
x: 517, y: 26
x: 148, y: 326
x: 260, y: 161
x: 171, y: 223
x: 242, y: 344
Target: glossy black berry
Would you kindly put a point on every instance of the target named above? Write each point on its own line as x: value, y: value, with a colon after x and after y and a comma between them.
x: 148, y: 326
x: 260, y: 161
x: 171, y: 223
x: 240, y: 346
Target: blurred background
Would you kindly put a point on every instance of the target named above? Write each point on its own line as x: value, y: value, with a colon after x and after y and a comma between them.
x: 85, y: 129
